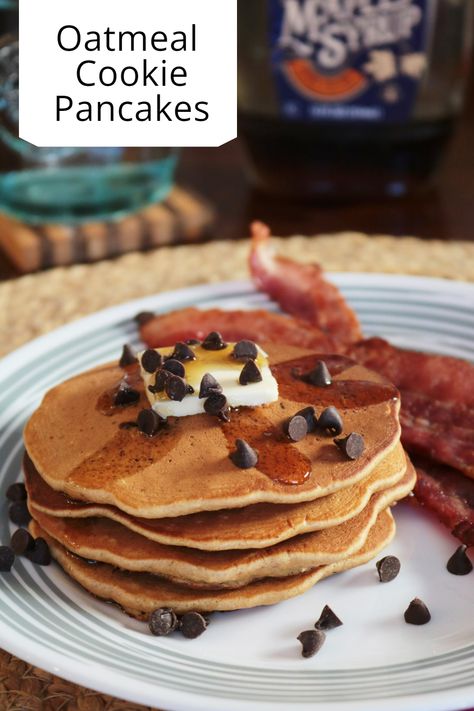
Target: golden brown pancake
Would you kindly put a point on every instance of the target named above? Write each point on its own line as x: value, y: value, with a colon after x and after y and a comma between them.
x: 141, y: 593
x: 255, y: 526
x: 79, y: 450
x: 109, y: 542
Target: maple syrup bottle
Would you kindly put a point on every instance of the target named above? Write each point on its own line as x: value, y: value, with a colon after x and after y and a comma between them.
x: 350, y: 98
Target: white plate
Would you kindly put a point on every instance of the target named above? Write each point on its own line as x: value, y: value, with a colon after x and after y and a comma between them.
x: 251, y: 659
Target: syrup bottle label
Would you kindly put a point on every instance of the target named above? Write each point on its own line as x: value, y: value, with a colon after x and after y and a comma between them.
x: 348, y: 60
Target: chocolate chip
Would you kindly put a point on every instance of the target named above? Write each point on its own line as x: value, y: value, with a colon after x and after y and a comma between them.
x: 296, y: 428
x: 417, y: 613
x: 309, y: 415
x: 250, y: 373
x: 215, y: 404
x: 175, y: 366
x: 328, y: 620
x: 319, y: 376
x: 161, y: 378
x: 459, y: 563
x: 388, y: 568
x: 126, y: 395
x: 330, y: 421
x: 162, y: 621
x: 128, y: 356
x: 176, y: 388
x: 213, y: 342
x: 208, y: 386
x: 193, y: 624
x: 149, y: 422
x: 40, y: 553
x: 192, y: 342
x: 245, y: 350
x: 312, y: 641
x: 143, y: 317
x: 22, y: 541
x: 352, y: 446
x: 19, y: 513
x: 151, y: 360
x: 16, y: 492
x: 183, y: 352
x: 6, y: 559
x: 244, y: 456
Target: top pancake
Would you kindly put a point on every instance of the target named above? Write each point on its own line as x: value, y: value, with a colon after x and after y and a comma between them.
x: 78, y: 447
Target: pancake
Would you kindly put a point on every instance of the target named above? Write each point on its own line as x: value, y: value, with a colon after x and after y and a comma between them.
x: 109, y: 542
x: 141, y: 593
x: 255, y: 526
x: 75, y: 441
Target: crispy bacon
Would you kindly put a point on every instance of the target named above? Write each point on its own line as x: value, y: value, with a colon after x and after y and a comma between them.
x: 259, y: 325
x: 301, y: 289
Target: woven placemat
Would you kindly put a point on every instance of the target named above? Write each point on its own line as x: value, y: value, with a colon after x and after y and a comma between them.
x: 35, y: 304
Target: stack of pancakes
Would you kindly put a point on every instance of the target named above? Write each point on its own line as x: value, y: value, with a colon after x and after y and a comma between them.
x: 171, y: 521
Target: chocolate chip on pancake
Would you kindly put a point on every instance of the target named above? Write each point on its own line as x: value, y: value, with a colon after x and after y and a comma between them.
x: 128, y: 356
x: 16, y: 492
x: 215, y: 404
x: 40, y: 553
x: 163, y: 621
x: 244, y: 455
x: 319, y: 376
x: 149, y: 422
x: 459, y: 563
x: 311, y: 641
x: 330, y: 421
x: 250, y: 373
x: 151, y: 360
x: 22, y: 541
x: 208, y: 386
x: 161, y: 379
x: 193, y: 624
x: 388, y: 568
x: 125, y: 395
x: 328, y: 620
x: 417, y: 613
x: 174, y: 366
x: 192, y: 342
x: 296, y: 428
x: 183, y: 352
x: 176, y: 388
x: 213, y: 342
x: 19, y: 514
x: 143, y: 317
x: 6, y: 559
x: 245, y: 350
x: 309, y: 415
x: 352, y: 446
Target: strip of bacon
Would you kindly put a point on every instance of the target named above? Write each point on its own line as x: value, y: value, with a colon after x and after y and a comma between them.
x: 301, y: 289
x: 259, y: 325
x: 450, y: 445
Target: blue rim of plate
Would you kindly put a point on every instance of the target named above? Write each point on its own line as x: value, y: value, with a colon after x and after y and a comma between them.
x: 39, y: 621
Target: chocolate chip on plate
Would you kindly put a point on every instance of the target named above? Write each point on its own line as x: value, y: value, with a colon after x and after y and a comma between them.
x: 309, y: 415
x: 19, y: 514
x: 128, y: 356
x: 162, y: 621
x: 22, y: 541
x: 459, y: 563
x: 215, y: 404
x: 296, y: 428
x: 16, y: 492
x: 388, y: 568
x: 40, y: 553
x: 143, y: 317
x: 319, y: 376
x: 183, y: 352
x: 208, y: 386
x: 7, y: 557
x: 193, y: 624
x: 245, y: 350
x: 330, y: 421
x: 244, y: 455
x: 174, y: 366
x: 213, y: 342
x: 328, y: 620
x: 417, y: 613
x: 352, y: 446
x: 151, y: 360
x: 149, y: 422
x: 125, y: 395
x: 311, y: 641
x: 176, y: 388
x: 250, y: 373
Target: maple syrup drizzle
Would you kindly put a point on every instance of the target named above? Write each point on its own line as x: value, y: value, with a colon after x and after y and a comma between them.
x: 106, y: 401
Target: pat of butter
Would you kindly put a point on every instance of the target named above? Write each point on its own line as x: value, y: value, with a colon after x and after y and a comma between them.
x: 226, y: 371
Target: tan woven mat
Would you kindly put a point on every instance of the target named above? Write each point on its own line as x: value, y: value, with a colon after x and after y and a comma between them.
x: 33, y: 305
